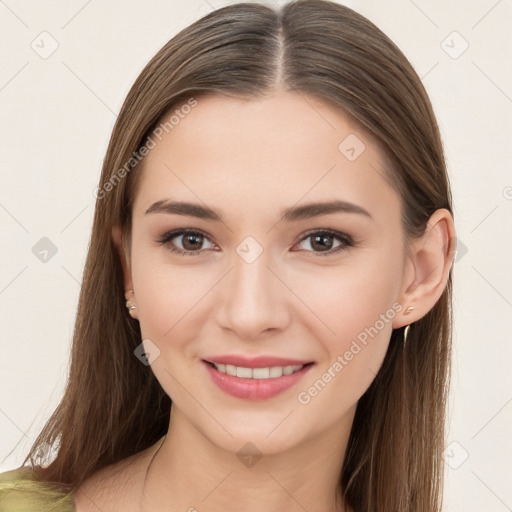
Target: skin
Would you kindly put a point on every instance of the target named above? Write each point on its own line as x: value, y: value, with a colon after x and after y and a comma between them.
x: 249, y: 160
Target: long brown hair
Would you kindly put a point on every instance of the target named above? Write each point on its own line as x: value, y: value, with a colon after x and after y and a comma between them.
x: 113, y: 406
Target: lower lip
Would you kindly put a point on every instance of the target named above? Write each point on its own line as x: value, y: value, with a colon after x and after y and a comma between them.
x: 255, y: 389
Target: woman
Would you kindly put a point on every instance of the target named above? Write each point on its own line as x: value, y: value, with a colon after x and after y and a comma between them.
x: 265, y: 316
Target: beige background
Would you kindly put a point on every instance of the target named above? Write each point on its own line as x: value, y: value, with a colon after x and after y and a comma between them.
x: 56, y: 116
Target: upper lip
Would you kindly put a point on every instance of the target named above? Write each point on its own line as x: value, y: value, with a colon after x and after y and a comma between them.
x: 255, y: 362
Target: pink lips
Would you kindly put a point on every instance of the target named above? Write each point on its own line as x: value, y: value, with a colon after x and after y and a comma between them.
x: 255, y: 389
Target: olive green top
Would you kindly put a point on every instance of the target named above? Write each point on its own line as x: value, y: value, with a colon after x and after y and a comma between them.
x: 21, y: 491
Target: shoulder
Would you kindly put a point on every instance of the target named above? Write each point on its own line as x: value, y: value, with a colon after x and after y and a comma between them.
x: 21, y: 490
x: 115, y: 487
x: 101, y: 490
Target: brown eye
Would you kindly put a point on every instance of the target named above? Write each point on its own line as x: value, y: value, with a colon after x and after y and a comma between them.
x: 325, y: 243
x: 191, y: 243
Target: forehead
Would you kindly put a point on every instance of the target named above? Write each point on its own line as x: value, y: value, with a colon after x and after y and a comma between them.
x: 253, y: 153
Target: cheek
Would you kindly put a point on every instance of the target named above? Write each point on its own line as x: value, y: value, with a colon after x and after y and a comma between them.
x: 354, y: 307
x: 361, y: 315
x: 169, y: 295
x: 340, y: 302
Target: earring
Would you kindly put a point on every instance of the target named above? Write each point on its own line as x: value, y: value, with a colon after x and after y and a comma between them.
x: 129, y: 305
x: 407, y: 327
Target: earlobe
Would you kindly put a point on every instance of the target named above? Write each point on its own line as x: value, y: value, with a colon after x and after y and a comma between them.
x: 130, y: 304
x: 431, y: 260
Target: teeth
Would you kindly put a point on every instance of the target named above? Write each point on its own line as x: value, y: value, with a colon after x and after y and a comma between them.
x: 257, y: 373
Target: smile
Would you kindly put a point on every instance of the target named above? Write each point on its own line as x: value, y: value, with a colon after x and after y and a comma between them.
x: 255, y: 383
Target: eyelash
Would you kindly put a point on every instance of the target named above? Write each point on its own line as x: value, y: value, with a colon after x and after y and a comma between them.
x: 347, y: 241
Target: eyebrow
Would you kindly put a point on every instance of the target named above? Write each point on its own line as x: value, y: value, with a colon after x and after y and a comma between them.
x: 293, y: 214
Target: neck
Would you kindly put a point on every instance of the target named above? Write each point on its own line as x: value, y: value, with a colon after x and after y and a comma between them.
x: 189, y: 472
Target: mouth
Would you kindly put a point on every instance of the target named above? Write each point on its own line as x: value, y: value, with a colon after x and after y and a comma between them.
x: 255, y: 383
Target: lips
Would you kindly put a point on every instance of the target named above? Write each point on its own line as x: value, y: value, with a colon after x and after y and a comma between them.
x: 255, y: 386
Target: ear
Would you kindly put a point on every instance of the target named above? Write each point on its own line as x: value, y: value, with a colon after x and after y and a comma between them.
x: 428, y: 268
x: 117, y: 238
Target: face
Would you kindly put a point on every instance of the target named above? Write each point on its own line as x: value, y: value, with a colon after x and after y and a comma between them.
x: 313, y: 285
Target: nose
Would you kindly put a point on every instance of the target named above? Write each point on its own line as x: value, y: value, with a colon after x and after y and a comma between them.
x: 253, y: 300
